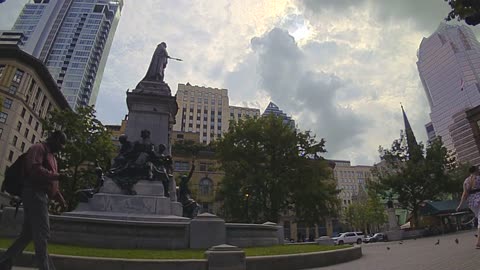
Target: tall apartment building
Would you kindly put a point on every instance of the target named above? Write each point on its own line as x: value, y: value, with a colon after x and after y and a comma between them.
x: 351, y: 180
x: 27, y: 93
x: 73, y: 38
x: 206, y: 111
x: 272, y: 108
x: 449, y: 68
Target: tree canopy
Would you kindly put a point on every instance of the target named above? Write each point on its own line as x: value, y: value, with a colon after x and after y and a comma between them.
x: 414, y: 174
x: 367, y: 213
x: 467, y: 10
x: 271, y: 169
x: 89, y: 145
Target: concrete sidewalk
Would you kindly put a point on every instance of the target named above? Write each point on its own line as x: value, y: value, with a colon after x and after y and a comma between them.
x: 420, y: 254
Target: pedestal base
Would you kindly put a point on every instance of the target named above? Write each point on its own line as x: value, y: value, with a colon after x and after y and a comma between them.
x: 148, y: 205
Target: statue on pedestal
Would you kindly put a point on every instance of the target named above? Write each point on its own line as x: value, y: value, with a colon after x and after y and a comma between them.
x: 140, y: 162
x: 156, y: 69
x: 190, y: 206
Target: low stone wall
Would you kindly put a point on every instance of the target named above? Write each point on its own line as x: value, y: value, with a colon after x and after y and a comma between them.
x: 305, y: 260
x: 82, y: 263
x: 118, y: 233
x: 413, y: 234
x: 222, y: 257
x: 251, y: 235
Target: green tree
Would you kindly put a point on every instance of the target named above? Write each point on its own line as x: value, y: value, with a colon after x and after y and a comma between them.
x: 457, y: 176
x: 467, y: 10
x: 191, y: 147
x: 89, y: 144
x: 271, y: 169
x: 413, y: 174
x: 375, y: 211
x: 367, y: 213
x: 356, y: 215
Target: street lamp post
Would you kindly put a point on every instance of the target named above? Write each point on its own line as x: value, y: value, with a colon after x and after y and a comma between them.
x: 246, y: 204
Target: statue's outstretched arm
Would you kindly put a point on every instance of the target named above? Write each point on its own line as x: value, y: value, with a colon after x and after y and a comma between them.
x: 191, y: 171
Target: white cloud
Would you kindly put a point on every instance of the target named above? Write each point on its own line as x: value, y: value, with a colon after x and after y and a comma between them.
x: 352, y: 63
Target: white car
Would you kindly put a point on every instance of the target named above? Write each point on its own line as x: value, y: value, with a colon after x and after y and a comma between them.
x: 349, y: 238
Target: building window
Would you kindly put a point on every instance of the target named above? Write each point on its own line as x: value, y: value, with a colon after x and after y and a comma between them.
x: 19, y: 126
x: 37, y: 95
x: 33, y: 139
x: 14, y: 142
x: 3, y: 117
x: 18, y: 76
x: 27, y: 131
x: 22, y: 147
x: 2, y: 68
x: 206, y: 187
x: 12, y: 89
x: 206, y: 167
x: 36, y: 126
x: 7, y: 103
x: 30, y: 119
x: 10, y: 156
x: 44, y: 100
x: 181, y: 165
x: 23, y: 112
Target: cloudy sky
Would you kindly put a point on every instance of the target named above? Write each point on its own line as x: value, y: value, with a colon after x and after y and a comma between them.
x: 340, y: 68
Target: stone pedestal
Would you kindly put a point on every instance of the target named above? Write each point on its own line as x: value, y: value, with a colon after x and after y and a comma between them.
x: 149, y: 204
x: 151, y: 107
x: 280, y: 232
x: 226, y: 257
x: 149, y: 188
x: 394, y: 233
x: 392, y: 220
x: 207, y: 230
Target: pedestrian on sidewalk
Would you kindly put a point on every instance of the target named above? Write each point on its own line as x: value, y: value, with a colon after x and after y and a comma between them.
x: 41, y: 183
x: 471, y: 194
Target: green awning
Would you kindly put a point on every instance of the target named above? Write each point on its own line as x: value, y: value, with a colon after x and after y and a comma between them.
x: 433, y: 208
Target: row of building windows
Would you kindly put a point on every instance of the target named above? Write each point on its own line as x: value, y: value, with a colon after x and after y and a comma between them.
x: 185, y: 166
x: 204, y: 100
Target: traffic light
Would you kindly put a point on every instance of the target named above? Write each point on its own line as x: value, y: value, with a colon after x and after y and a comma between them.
x: 473, y: 19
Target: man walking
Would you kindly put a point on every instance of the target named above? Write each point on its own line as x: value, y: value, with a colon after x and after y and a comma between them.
x: 41, y: 182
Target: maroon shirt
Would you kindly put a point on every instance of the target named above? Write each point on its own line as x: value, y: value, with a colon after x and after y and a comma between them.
x: 40, y: 173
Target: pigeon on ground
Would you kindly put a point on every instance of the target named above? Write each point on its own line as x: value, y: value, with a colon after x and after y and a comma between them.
x: 400, y: 243
x: 437, y: 243
x: 388, y: 248
x: 456, y: 241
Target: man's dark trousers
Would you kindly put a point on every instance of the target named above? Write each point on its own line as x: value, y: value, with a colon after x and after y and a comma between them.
x: 36, y: 227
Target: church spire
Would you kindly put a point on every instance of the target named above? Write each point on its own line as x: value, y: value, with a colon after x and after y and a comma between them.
x: 414, y: 150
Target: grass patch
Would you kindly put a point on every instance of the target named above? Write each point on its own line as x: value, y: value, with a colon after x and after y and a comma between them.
x: 180, y: 254
x: 289, y: 249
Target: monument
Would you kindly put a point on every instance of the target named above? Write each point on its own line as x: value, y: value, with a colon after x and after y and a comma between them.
x: 140, y: 186
x: 394, y: 233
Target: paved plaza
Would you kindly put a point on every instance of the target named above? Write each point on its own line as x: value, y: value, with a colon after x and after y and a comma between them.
x: 420, y: 254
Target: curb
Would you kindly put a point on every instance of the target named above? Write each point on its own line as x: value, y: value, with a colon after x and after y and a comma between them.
x: 276, y: 262
x: 304, y: 260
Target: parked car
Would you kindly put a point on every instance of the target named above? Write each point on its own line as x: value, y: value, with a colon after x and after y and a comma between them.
x: 378, y: 237
x: 349, y: 238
